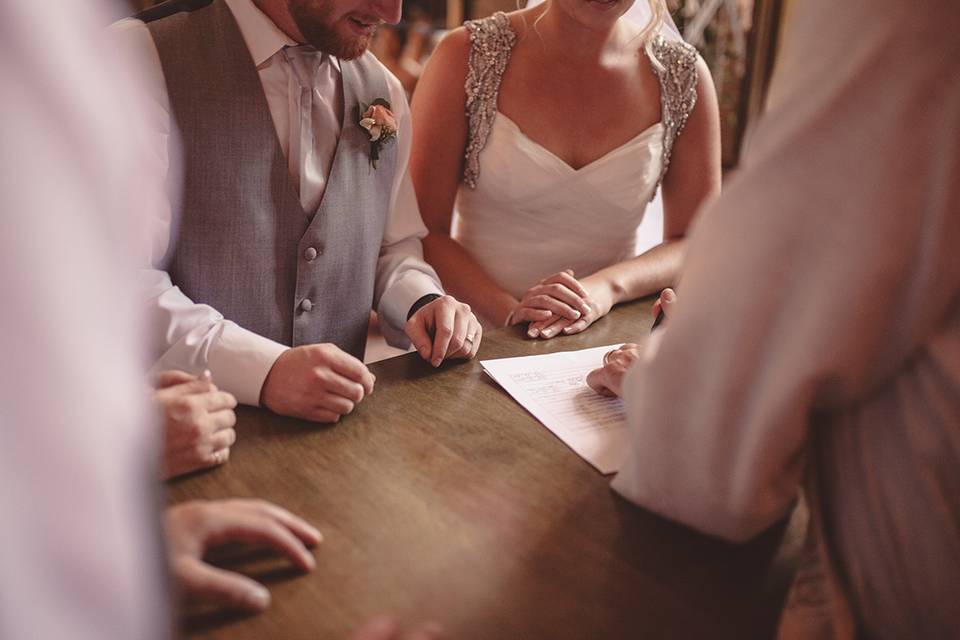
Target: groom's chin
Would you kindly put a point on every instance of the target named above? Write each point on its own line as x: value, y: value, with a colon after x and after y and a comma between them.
x: 336, y: 40
x: 344, y: 48
x: 353, y: 51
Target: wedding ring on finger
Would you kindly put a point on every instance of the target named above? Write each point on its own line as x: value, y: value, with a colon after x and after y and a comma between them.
x: 608, y: 355
x: 469, y: 338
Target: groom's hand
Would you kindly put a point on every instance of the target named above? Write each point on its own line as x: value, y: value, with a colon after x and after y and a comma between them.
x: 318, y: 382
x: 444, y: 329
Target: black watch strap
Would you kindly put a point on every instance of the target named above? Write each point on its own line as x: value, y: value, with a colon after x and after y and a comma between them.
x: 422, y: 302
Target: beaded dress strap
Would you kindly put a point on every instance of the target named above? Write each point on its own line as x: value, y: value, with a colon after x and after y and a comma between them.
x: 491, y: 42
x: 678, y: 91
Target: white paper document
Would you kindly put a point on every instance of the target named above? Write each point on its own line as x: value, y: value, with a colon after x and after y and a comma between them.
x: 553, y: 387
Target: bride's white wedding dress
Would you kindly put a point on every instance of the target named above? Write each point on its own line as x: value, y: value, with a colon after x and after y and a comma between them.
x: 522, y: 212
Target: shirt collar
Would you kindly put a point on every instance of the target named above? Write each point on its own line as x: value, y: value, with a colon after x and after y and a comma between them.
x: 262, y: 36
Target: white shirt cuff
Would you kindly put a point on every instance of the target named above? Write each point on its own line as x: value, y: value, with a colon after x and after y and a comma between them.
x: 240, y: 361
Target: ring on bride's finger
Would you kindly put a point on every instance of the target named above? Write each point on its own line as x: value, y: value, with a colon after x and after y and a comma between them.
x: 470, y: 337
x: 606, y: 356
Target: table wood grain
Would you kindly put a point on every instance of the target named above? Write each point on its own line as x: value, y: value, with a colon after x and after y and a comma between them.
x: 440, y: 498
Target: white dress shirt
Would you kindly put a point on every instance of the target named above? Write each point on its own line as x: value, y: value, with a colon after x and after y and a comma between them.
x: 191, y: 335
x: 817, y: 330
x: 80, y: 546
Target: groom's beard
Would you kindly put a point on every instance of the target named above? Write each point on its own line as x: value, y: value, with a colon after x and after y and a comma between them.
x: 315, y: 20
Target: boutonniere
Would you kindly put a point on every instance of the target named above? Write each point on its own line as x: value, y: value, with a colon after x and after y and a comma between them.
x: 377, y: 120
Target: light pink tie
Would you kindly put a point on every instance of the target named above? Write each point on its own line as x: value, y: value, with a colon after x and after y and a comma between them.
x: 305, y: 61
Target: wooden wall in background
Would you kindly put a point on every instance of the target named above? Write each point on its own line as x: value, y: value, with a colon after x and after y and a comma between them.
x: 765, y: 37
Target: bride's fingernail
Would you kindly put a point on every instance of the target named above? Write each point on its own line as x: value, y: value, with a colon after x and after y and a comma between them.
x: 576, y: 314
x: 533, y: 333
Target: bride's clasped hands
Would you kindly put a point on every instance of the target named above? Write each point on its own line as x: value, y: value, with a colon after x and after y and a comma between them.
x: 563, y: 305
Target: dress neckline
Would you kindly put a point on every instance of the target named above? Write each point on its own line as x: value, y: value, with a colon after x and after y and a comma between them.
x: 534, y: 143
x: 491, y: 42
x: 653, y: 128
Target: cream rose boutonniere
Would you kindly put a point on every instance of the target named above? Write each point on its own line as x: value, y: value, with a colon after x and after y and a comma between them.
x: 380, y: 123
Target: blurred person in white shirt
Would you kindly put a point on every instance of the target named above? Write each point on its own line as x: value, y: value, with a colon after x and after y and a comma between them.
x: 81, y: 554
x: 82, y: 550
x: 824, y: 354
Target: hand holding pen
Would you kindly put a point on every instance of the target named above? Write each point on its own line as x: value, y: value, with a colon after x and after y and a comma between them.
x: 661, y: 308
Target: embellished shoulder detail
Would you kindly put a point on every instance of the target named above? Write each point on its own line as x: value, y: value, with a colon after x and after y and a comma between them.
x: 491, y: 42
x: 675, y: 64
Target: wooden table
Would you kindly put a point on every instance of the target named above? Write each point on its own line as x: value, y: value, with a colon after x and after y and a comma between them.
x: 440, y: 498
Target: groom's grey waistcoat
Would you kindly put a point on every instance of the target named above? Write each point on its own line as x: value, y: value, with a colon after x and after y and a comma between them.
x: 244, y: 244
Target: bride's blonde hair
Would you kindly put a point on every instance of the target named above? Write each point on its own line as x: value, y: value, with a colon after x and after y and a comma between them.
x: 658, y: 11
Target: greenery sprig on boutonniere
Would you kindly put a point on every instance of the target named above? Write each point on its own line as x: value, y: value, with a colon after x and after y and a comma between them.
x: 378, y: 120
